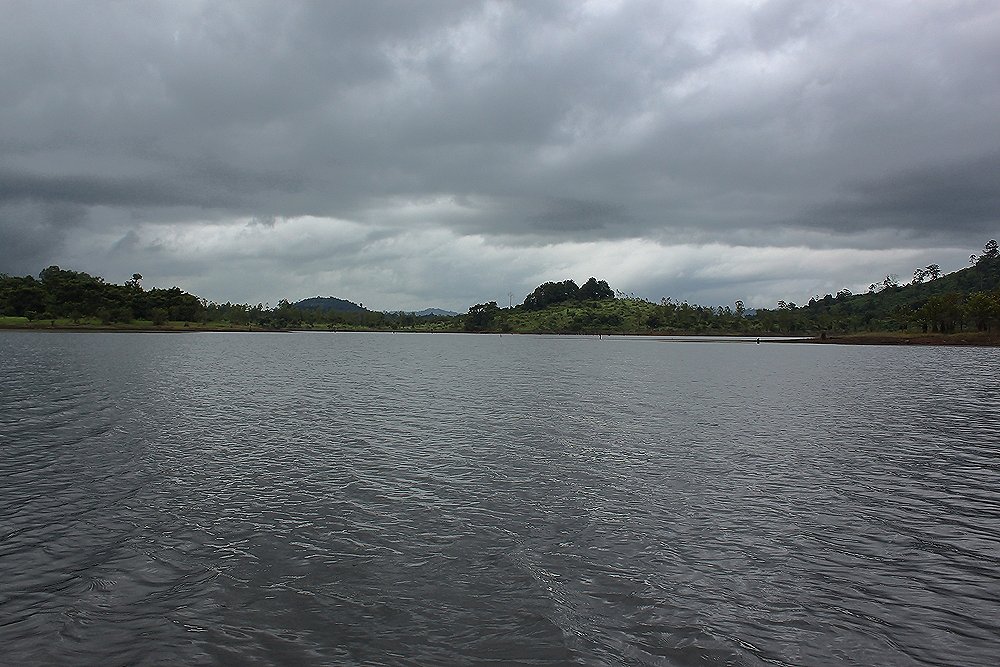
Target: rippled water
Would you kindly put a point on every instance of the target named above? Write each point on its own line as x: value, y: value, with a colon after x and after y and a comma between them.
x: 318, y: 499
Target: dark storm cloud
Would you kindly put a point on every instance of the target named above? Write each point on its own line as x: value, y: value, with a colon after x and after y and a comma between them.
x: 335, y: 105
x: 528, y: 124
x: 31, y: 232
x: 89, y: 190
x: 211, y: 186
x: 961, y: 198
x: 574, y: 215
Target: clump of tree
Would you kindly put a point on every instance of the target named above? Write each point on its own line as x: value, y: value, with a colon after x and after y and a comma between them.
x: 983, y: 310
x: 575, y: 305
x: 991, y: 253
x: 78, y: 297
x: 890, y: 281
x: 483, y: 317
x: 63, y: 294
x: 551, y: 293
x: 672, y: 316
x: 929, y: 272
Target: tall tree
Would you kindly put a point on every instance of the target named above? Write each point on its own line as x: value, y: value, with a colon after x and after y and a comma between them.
x: 549, y: 293
x: 482, y: 316
x: 596, y: 290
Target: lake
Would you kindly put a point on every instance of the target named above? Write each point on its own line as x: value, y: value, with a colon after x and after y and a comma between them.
x: 411, y: 499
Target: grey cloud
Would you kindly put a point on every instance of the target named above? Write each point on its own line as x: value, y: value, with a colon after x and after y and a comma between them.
x: 263, y: 221
x: 782, y: 21
x: 206, y: 185
x: 961, y: 199
x: 87, y: 190
x: 127, y: 244
x: 579, y: 216
x: 777, y: 123
x: 32, y: 233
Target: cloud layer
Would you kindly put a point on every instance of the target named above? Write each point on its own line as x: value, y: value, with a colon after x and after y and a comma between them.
x: 444, y: 153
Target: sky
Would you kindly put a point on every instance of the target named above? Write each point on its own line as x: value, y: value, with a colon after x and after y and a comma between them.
x: 407, y: 155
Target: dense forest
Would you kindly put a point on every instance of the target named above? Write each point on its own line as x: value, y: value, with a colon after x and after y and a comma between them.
x: 932, y: 303
x: 60, y: 297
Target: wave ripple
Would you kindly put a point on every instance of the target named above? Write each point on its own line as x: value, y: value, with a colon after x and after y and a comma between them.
x: 438, y: 500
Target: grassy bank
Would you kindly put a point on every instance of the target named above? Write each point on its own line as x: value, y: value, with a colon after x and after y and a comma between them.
x: 967, y: 338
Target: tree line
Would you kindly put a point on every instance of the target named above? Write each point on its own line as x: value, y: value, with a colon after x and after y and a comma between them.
x: 968, y: 299
x: 932, y: 303
x: 490, y: 317
x: 76, y: 296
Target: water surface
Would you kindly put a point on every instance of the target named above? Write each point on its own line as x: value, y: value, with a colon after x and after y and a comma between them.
x: 316, y: 499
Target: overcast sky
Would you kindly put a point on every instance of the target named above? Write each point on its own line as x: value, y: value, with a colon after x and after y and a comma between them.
x: 416, y: 154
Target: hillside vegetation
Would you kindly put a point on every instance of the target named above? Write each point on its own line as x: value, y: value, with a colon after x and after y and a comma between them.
x: 958, y: 303
x: 966, y: 300
x: 74, y: 299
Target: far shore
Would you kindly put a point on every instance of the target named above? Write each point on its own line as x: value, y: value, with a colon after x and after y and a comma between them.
x: 961, y: 339
x: 118, y: 328
x: 964, y: 339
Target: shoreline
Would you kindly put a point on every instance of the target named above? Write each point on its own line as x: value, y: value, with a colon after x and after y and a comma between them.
x: 961, y: 339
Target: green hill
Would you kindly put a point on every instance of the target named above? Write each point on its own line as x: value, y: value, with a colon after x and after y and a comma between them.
x: 968, y: 299
x: 562, y: 307
x: 963, y: 300
x: 328, y: 303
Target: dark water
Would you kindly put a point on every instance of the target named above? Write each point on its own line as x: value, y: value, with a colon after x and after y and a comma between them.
x: 338, y: 499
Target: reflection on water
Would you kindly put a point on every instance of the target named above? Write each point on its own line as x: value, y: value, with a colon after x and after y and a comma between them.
x: 433, y: 499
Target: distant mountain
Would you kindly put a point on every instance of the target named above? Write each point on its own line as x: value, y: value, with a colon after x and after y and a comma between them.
x: 426, y: 312
x: 435, y: 312
x: 327, y: 303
